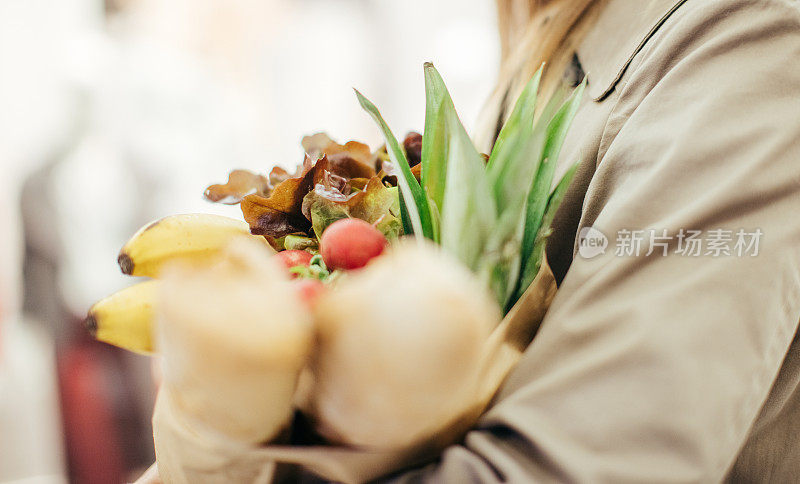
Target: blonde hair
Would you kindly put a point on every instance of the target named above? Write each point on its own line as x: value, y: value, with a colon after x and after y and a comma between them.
x: 532, y: 33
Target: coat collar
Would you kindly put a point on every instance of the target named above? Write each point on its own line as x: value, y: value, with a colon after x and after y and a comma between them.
x: 621, y: 30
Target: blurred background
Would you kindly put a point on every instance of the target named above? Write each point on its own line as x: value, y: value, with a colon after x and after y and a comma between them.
x: 117, y: 112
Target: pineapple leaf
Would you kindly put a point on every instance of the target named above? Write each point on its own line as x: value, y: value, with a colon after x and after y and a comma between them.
x: 468, y: 210
x: 556, y: 128
x: 518, y: 127
x: 435, y: 140
x: 417, y: 211
x: 534, y: 262
x: 513, y: 164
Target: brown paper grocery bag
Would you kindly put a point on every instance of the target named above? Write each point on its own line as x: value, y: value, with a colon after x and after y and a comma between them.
x: 187, y: 456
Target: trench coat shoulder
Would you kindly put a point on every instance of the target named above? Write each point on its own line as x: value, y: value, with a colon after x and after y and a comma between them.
x: 625, y: 28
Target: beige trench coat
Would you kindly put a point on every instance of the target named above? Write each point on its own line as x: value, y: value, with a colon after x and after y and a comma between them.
x: 677, y: 367
x: 662, y: 360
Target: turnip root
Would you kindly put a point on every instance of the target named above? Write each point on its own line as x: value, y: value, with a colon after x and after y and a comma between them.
x: 399, y: 345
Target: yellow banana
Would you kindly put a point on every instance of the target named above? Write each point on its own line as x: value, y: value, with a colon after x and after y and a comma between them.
x: 125, y: 318
x: 192, y: 237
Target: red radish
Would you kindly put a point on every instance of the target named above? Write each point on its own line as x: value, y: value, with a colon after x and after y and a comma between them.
x: 350, y: 244
x: 294, y: 258
x: 309, y: 290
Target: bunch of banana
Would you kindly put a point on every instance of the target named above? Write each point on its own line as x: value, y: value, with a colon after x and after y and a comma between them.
x: 125, y: 319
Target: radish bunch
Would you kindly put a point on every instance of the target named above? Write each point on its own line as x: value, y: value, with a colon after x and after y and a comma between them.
x: 345, y: 245
x: 350, y: 244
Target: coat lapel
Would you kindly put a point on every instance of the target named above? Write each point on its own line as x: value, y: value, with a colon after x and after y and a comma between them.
x: 621, y: 30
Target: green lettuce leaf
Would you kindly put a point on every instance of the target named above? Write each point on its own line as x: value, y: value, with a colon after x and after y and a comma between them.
x: 376, y: 204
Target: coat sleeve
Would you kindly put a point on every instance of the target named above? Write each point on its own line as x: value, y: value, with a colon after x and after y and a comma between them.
x: 653, y: 368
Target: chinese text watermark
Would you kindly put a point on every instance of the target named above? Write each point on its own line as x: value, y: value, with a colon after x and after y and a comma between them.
x: 685, y: 243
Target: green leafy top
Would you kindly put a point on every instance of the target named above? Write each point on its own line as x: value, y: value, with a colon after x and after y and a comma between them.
x: 495, y: 216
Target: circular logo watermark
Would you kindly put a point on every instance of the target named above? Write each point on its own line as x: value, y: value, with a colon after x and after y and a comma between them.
x: 591, y: 242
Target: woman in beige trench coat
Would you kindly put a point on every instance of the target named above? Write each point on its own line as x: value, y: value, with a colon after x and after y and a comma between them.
x: 669, y: 353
